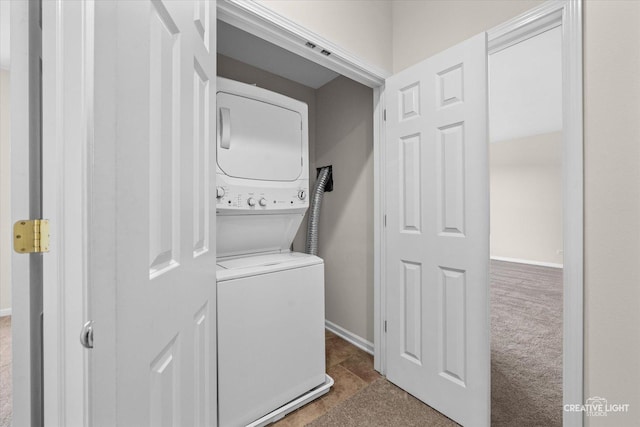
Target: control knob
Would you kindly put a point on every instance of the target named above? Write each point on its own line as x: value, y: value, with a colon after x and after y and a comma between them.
x: 219, y: 192
x: 263, y: 202
x: 302, y: 194
x: 251, y: 201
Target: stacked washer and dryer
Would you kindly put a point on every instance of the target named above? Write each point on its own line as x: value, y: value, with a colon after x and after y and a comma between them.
x: 271, y: 357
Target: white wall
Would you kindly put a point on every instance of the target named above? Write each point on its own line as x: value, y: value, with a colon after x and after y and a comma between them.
x: 362, y: 27
x: 612, y: 174
x: 236, y: 70
x: 5, y: 194
x: 526, y: 198
x: 345, y: 140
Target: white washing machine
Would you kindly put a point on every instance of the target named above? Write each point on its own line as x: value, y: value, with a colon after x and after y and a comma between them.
x: 271, y: 356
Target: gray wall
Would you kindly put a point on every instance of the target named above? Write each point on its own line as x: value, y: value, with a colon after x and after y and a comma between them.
x: 526, y: 198
x: 345, y: 140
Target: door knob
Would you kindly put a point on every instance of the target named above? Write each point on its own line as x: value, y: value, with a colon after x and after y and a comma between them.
x: 86, y: 335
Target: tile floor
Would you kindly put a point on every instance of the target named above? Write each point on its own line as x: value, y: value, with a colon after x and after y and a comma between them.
x: 351, y: 369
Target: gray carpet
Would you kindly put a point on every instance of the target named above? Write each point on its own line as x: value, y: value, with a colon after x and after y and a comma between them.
x: 526, y: 361
x: 526, y: 345
x: 382, y: 404
x: 5, y: 371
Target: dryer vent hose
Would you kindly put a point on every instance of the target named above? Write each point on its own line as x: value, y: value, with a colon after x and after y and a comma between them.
x: 314, y: 213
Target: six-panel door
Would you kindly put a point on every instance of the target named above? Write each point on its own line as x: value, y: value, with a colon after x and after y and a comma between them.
x: 437, y: 232
x: 164, y: 167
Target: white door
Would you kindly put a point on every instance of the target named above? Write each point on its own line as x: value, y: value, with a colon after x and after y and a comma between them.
x: 154, y: 307
x: 437, y: 232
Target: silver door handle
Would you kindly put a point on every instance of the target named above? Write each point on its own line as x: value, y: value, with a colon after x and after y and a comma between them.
x: 86, y: 335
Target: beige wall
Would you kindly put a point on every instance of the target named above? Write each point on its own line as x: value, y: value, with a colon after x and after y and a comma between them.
x: 612, y: 171
x: 345, y: 241
x: 361, y: 27
x: 612, y: 205
x: 424, y: 28
x: 236, y: 70
x: 526, y: 198
x: 5, y: 195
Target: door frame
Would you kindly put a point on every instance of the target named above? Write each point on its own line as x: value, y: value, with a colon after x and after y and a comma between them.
x: 568, y: 15
x: 26, y: 192
x: 68, y: 62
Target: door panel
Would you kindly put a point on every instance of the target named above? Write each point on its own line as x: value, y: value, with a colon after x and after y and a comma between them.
x: 164, y: 307
x: 164, y: 141
x: 438, y: 232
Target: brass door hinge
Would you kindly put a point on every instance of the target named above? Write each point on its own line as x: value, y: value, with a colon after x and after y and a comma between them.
x: 31, y: 236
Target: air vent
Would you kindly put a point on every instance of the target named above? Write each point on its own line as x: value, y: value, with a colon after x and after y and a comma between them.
x: 325, y: 52
x: 311, y: 45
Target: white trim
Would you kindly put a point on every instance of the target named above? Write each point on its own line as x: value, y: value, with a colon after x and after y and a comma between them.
x: 531, y: 23
x: 5, y: 312
x: 284, y: 410
x: 569, y: 13
x: 527, y: 261
x: 349, y: 337
x: 263, y: 22
x: 379, y: 301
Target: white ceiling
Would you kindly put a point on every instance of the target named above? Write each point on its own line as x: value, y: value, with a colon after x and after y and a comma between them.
x: 525, y: 88
x: 5, y: 58
x: 252, y: 50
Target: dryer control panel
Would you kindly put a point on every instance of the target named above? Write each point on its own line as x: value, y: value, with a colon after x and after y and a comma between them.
x: 232, y: 197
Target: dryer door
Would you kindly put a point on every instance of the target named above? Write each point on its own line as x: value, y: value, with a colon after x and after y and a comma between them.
x: 258, y: 140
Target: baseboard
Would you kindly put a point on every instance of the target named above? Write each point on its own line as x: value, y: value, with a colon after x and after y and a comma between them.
x: 526, y: 261
x: 5, y: 312
x: 350, y: 337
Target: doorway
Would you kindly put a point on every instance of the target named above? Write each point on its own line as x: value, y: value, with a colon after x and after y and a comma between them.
x: 568, y: 15
x: 340, y: 124
x: 526, y: 250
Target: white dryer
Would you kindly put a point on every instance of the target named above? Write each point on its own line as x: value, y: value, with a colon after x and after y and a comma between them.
x: 271, y: 356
